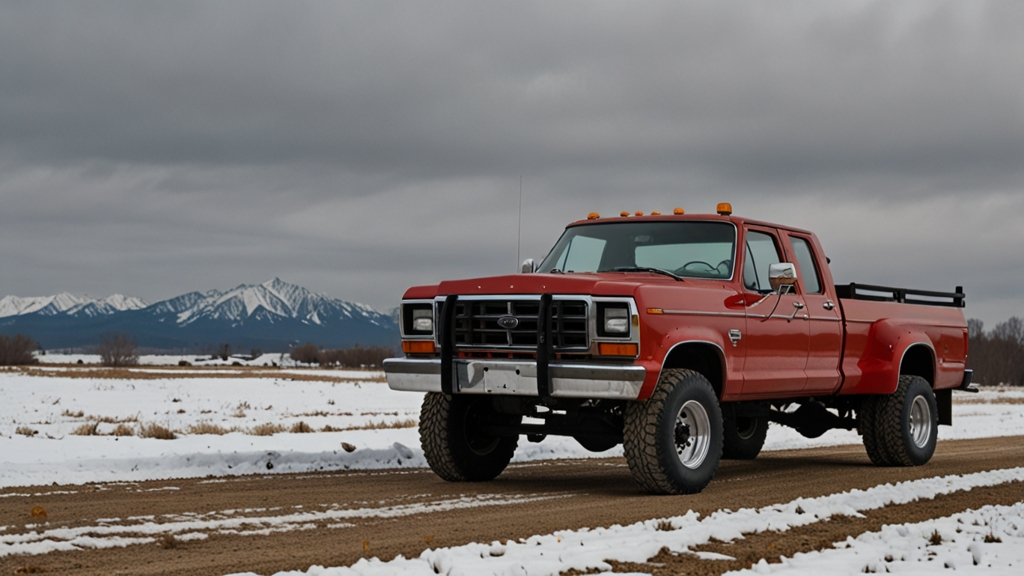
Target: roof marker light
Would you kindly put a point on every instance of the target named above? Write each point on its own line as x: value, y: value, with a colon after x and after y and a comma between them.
x: 593, y: 216
x: 623, y: 213
x: 655, y: 213
x: 678, y: 211
x: 639, y: 213
x: 724, y: 208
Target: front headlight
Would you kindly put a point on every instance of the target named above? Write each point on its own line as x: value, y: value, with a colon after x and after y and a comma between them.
x: 616, y: 320
x: 423, y: 320
x: 418, y: 319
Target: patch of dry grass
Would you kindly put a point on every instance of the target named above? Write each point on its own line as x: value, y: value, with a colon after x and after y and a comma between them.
x: 87, y: 429
x: 70, y: 414
x: 207, y: 428
x: 300, y: 427
x: 123, y: 430
x: 175, y: 372
x: 153, y: 430
x: 988, y: 400
x: 382, y: 425
x: 266, y: 429
x: 25, y: 431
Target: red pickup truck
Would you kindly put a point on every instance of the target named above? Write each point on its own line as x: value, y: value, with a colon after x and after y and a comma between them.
x: 680, y: 336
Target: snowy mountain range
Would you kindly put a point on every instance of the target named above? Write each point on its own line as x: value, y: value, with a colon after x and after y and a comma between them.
x: 271, y: 316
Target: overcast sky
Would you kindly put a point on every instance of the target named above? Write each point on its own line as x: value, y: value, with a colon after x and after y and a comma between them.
x: 358, y: 148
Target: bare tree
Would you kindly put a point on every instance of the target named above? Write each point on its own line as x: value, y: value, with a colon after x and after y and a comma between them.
x: 997, y: 356
x: 15, y: 350
x: 307, y: 354
x: 118, y: 350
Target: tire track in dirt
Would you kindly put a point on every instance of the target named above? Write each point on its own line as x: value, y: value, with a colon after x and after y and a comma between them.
x: 536, y: 498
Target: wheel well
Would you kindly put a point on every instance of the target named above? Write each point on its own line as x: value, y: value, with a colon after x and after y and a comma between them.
x: 699, y: 357
x: 918, y: 361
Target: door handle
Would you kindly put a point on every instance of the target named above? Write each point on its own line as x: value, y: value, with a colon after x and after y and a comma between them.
x: 828, y: 304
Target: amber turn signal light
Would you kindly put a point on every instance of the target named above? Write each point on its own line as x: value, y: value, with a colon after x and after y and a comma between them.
x: 418, y: 346
x: 609, y: 349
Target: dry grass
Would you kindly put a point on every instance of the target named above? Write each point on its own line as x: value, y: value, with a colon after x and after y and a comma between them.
x: 176, y: 372
x: 153, y: 430
x: 300, y: 427
x: 87, y: 429
x: 988, y: 400
x: 70, y: 414
x: 112, y: 420
x: 207, y: 428
x: 266, y: 429
x: 382, y: 425
x: 123, y: 430
x: 25, y: 431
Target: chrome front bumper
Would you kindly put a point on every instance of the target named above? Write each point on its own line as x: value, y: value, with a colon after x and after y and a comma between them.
x: 517, y: 378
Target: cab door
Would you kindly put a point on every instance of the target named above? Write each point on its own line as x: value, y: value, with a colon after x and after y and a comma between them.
x: 777, y: 334
x: 824, y: 323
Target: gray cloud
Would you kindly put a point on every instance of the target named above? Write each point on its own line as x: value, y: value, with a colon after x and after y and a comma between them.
x: 357, y: 148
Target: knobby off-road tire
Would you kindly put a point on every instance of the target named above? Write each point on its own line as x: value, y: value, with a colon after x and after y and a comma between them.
x: 901, y: 429
x: 453, y: 444
x: 673, y: 440
x: 743, y: 437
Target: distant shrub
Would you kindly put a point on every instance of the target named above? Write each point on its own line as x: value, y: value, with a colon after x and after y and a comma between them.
x: 25, y: 431
x: 17, y: 350
x: 184, y: 363
x: 118, y: 350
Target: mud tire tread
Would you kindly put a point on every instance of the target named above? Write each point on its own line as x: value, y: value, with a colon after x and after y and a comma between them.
x: 644, y: 453
x: 886, y: 435
x: 441, y: 445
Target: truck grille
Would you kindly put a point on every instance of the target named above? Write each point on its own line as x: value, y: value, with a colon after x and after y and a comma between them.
x: 476, y: 324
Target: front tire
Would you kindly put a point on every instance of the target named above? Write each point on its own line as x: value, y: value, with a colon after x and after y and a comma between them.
x: 901, y: 429
x: 453, y: 443
x: 673, y: 441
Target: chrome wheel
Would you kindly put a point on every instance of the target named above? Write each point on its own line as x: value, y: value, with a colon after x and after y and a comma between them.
x: 692, y: 434
x: 920, y: 422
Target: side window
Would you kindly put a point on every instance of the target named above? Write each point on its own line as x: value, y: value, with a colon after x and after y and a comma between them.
x: 761, y: 253
x: 808, y: 269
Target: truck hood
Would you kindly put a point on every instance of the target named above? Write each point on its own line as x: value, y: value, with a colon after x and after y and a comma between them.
x: 610, y: 284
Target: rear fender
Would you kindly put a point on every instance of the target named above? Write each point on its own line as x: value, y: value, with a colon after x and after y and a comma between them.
x: 893, y: 350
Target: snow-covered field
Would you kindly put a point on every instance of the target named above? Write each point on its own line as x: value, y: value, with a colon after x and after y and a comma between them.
x: 376, y: 424
x: 356, y: 422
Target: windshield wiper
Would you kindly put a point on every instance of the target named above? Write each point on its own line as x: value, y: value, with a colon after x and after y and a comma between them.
x: 648, y: 269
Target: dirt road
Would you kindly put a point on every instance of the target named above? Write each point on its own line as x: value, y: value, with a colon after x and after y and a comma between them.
x: 289, y: 522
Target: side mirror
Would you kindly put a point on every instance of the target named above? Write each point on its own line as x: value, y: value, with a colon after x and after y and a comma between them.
x: 529, y: 266
x: 780, y: 275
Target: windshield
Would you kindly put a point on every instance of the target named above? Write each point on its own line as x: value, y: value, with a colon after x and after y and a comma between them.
x: 691, y: 249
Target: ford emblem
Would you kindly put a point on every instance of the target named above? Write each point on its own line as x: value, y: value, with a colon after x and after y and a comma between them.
x: 508, y: 322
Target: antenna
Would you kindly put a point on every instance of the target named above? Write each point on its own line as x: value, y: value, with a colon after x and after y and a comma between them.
x: 519, y: 240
